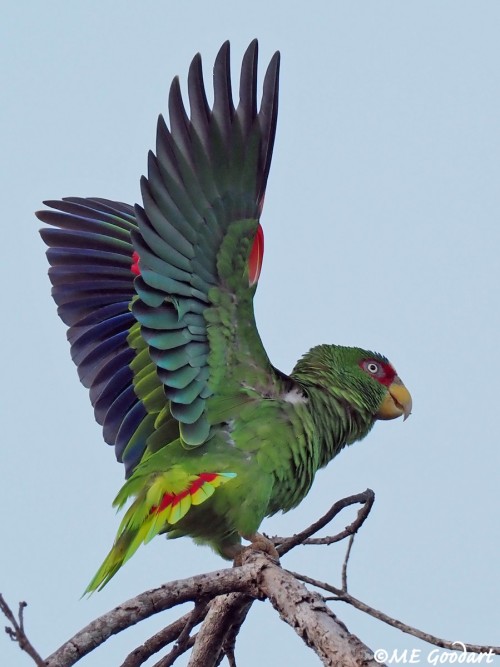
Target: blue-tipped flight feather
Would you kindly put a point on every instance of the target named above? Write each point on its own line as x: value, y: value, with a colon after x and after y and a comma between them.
x: 90, y: 252
x: 210, y: 169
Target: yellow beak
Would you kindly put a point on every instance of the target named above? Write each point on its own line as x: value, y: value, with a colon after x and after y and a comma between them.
x: 396, y: 403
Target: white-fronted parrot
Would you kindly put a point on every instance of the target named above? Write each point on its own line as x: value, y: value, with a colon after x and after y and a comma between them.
x: 158, y: 299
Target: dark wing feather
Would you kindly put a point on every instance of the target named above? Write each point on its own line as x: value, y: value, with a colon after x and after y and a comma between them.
x: 201, y: 204
x: 209, y: 171
x: 90, y: 253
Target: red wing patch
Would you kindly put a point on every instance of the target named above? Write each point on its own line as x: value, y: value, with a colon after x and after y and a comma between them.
x: 174, y: 506
x: 135, y: 264
x: 256, y: 256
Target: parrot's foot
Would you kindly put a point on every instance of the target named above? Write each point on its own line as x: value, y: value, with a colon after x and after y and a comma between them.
x: 258, y: 542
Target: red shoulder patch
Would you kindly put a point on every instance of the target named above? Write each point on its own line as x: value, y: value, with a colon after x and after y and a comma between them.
x: 135, y: 264
x: 256, y: 256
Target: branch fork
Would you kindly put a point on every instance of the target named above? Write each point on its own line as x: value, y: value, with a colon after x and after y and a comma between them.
x: 222, y: 600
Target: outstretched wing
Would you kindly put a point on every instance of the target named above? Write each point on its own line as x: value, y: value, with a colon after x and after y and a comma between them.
x: 92, y: 271
x: 191, y: 332
x: 200, y: 244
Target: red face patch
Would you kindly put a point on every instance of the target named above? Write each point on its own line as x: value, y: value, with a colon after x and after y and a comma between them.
x: 382, y: 371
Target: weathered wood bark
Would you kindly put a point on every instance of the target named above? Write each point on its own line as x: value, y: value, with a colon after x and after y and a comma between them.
x: 222, y: 601
x: 307, y: 613
x: 169, y: 595
x: 218, y: 632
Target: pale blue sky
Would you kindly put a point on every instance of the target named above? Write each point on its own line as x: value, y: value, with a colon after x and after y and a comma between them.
x: 382, y: 230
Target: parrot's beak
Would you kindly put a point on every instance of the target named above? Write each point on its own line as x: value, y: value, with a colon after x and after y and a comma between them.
x: 397, y: 401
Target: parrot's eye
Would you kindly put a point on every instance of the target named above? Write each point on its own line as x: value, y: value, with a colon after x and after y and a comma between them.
x: 374, y: 368
x: 380, y: 371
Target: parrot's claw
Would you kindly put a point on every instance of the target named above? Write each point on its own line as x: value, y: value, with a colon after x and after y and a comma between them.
x: 258, y: 542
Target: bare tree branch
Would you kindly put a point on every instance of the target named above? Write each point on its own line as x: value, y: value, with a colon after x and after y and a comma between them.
x: 345, y: 563
x: 159, y: 641
x: 151, y: 602
x: 185, y: 641
x: 343, y: 596
x: 222, y: 601
x: 16, y: 632
x: 218, y: 632
x: 240, y: 612
x: 366, y: 497
x: 171, y: 657
x: 307, y: 613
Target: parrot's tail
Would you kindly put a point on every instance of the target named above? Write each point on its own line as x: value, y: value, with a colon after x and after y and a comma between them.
x: 156, y: 508
x: 121, y: 551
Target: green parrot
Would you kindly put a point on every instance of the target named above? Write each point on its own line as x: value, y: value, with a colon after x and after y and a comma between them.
x: 158, y: 299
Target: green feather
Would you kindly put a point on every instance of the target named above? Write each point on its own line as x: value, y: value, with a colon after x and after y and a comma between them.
x: 229, y: 438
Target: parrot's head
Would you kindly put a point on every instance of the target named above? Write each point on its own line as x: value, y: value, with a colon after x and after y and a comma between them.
x: 366, y: 380
x: 396, y: 399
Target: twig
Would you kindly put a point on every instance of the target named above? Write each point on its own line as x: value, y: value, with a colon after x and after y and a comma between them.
x: 366, y: 497
x: 343, y: 596
x: 185, y: 641
x: 17, y: 633
x: 166, y: 660
x: 346, y: 561
x: 157, y: 642
x: 240, y: 612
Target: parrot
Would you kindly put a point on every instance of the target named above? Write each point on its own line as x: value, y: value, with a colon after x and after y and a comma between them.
x: 158, y: 301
